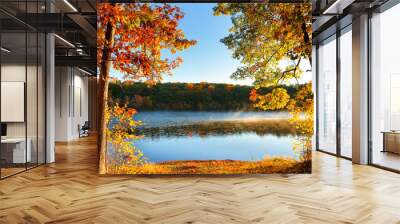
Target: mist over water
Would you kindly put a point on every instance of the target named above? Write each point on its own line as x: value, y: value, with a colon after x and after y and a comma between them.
x: 167, y: 118
x: 192, y: 135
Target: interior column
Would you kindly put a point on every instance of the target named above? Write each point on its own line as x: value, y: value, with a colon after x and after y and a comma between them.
x: 360, y: 90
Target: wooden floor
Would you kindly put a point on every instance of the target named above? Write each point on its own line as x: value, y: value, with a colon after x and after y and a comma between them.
x: 387, y: 159
x: 5, y: 172
x: 70, y: 191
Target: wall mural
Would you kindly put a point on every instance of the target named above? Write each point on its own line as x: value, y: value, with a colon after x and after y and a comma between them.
x: 196, y: 88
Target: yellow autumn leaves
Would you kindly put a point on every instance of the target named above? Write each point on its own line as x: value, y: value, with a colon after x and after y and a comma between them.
x: 120, y: 137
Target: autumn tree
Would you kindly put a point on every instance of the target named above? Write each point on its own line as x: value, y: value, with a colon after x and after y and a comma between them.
x: 120, y: 136
x: 131, y: 39
x: 272, y: 40
x: 189, y: 86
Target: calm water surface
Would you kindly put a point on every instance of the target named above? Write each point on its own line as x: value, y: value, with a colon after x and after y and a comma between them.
x: 247, y: 145
x: 165, y: 118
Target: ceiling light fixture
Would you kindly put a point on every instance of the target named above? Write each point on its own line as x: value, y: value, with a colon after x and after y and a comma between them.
x: 5, y: 50
x: 70, y: 5
x: 86, y: 72
x: 337, y: 7
x: 331, y: 7
x: 64, y: 40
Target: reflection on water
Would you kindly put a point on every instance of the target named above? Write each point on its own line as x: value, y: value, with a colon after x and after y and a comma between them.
x: 278, y: 127
x: 246, y: 147
x: 245, y: 136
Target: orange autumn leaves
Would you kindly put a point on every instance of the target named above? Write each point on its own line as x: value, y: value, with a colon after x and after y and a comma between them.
x: 142, y: 32
x: 264, y: 166
x: 132, y: 37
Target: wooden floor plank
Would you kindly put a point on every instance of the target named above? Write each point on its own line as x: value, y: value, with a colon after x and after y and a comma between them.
x: 71, y: 191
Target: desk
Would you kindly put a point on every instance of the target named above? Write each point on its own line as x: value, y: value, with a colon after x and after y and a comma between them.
x: 16, y: 147
x: 391, y: 141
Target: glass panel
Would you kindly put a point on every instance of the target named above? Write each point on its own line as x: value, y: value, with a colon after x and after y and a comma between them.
x: 31, y: 98
x: 32, y: 85
x: 41, y: 99
x: 22, y: 88
x: 327, y: 96
x: 13, y: 86
x: 17, y: 9
x: 346, y: 94
x: 385, y: 84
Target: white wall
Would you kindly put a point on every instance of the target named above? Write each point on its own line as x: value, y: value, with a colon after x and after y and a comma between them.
x: 12, y: 73
x: 71, y: 102
x: 61, y: 103
x: 16, y: 73
x: 80, y: 110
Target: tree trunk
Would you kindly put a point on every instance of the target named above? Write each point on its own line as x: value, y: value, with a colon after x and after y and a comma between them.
x: 105, y: 66
x: 307, y: 40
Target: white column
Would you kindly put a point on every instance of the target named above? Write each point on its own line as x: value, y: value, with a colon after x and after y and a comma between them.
x: 50, y: 99
x: 360, y: 90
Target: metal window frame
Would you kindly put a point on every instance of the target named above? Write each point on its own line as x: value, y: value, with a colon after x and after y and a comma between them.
x: 381, y: 9
x: 340, y: 31
x: 44, y: 75
x: 386, y: 6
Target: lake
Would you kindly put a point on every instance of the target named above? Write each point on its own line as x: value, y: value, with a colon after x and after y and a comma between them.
x: 245, y: 136
x: 165, y: 118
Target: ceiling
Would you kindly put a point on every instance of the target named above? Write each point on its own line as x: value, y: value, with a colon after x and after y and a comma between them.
x: 73, y: 22
x: 330, y: 15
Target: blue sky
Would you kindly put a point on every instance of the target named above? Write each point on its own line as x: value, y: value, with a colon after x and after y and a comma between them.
x: 209, y: 60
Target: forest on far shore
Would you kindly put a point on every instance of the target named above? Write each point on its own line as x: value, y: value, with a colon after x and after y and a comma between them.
x: 187, y: 96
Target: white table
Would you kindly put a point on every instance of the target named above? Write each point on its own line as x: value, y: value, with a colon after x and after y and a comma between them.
x: 18, y: 144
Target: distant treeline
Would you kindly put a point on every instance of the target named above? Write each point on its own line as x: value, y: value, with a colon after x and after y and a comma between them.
x: 186, y: 96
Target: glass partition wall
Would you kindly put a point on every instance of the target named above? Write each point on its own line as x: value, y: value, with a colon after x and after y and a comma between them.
x: 385, y: 89
x: 22, y: 77
x: 334, y: 105
x: 345, y: 90
x: 327, y: 95
x: 334, y: 94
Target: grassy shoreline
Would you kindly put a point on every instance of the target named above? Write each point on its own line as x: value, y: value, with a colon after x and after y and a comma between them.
x: 265, y: 166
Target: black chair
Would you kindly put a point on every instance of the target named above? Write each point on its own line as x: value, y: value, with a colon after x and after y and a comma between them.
x: 84, y: 130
